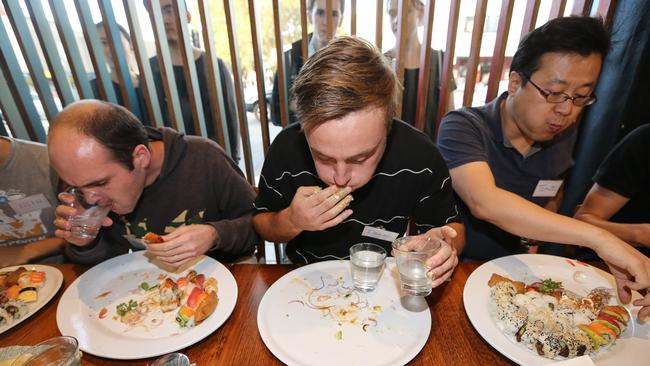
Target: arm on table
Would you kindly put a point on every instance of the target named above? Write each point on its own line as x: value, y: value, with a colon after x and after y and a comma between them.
x: 21, y: 254
x: 475, y: 184
x: 600, y: 205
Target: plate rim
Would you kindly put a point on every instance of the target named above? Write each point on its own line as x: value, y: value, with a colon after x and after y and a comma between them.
x: 49, y: 272
x: 229, y: 306
x: 287, y: 358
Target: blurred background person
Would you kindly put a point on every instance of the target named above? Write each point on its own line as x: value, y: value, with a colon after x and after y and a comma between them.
x: 412, y: 51
x: 317, y: 17
x: 168, y: 8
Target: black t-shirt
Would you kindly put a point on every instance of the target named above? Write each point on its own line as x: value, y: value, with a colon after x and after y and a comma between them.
x: 411, y: 184
x: 626, y: 171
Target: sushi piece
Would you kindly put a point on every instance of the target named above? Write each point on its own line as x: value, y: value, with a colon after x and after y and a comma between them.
x: 31, y: 279
x: 617, y: 312
x: 152, y: 238
x: 16, y: 308
x: 5, y: 317
x: 198, y: 307
x: 28, y: 294
x: 170, y: 296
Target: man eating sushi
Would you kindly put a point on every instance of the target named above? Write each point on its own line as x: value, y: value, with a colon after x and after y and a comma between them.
x: 350, y: 172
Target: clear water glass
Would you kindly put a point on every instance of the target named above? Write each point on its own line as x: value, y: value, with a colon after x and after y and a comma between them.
x: 88, y: 220
x: 367, y: 265
x: 58, y: 351
x: 411, y: 263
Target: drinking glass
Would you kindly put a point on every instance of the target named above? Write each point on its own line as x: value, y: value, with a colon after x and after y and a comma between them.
x: 58, y: 351
x: 411, y: 261
x: 367, y: 264
x: 88, y: 220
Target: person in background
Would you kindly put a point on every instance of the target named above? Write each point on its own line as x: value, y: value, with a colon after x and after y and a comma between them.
x: 350, y: 172
x: 317, y: 17
x: 27, y: 201
x: 508, y: 159
x: 619, y: 201
x: 131, y: 63
x: 182, y: 187
x: 413, y: 49
x: 168, y: 8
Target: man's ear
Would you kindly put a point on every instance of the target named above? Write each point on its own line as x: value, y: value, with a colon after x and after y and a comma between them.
x: 189, y: 17
x: 141, y: 157
x: 515, y: 81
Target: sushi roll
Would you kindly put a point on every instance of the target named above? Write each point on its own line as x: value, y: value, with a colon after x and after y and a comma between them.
x: 5, y: 317
x: 170, y: 297
x: 15, y: 308
x: 31, y: 279
x: 28, y: 294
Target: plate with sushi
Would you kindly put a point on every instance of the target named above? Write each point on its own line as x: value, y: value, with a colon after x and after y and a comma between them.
x: 538, y: 309
x: 24, y: 290
x: 130, y: 308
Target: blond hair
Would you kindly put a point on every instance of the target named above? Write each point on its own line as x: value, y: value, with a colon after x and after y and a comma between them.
x: 347, y: 75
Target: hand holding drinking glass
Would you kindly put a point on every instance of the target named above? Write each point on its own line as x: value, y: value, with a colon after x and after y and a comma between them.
x: 78, y: 219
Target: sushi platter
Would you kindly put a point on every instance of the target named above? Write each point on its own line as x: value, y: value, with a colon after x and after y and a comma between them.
x: 24, y: 290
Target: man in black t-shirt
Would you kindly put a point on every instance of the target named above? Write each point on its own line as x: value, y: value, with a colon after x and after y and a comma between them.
x: 348, y: 144
x: 619, y: 201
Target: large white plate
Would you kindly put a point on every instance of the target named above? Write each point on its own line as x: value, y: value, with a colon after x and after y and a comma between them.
x: 299, y: 335
x: 630, y: 349
x: 53, y: 281
x: 77, y: 314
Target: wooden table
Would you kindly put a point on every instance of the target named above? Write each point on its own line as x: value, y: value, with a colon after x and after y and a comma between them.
x: 453, y: 340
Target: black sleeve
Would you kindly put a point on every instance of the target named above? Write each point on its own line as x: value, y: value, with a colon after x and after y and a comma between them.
x: 626, y: 170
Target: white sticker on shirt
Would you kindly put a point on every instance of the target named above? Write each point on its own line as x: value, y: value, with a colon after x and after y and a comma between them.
x: 29, y: 204
x: 547, y: 188
x: 378, y: 233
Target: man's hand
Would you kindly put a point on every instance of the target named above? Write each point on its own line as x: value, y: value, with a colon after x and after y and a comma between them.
x: 184, y: 244
x: 316, y: 209
x: 631, y: 269
x: 63, y: 212
x: 441, y: 265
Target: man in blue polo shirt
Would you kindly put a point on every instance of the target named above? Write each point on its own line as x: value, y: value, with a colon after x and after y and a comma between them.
x: 508, y: 159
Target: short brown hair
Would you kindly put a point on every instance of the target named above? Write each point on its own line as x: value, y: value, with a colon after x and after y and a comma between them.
x: 347, y: 75
x: 310, y: 5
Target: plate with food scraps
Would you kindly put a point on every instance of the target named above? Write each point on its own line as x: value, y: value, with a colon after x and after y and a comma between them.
x: 129, y: 308
x: 314, y: 316
x: 24, y: 290
x: 570, y: 291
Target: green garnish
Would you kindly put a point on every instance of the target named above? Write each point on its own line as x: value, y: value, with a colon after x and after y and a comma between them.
x: 144, y: 286
x: 548, y: 286
x: 124, y: 308
x: 338, y: 335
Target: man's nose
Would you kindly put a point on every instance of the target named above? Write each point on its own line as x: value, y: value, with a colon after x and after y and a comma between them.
x: 564, y: 108
x: 342, y: 175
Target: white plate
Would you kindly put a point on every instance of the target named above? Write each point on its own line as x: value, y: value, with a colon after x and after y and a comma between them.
x: 630, y: 349
x: 77, y: 314
x: 53, y: 281
x: 299, y: 335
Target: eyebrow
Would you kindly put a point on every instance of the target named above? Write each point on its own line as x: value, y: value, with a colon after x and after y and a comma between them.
x: 564, y: 82
x: 359, y: 155
x: 95, y: 183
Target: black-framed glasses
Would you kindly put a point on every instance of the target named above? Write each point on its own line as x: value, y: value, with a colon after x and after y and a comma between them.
x: 555, y: 97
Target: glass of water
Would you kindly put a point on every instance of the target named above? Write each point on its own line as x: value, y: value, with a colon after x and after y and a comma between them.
x: 367, y: 264
x: 411, y: 263
x: 88, y: 220
x: 58, y: 351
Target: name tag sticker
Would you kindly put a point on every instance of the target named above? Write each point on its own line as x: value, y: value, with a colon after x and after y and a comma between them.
x: 377, y: 233
x: 547, y: 188
x: 29, y: 204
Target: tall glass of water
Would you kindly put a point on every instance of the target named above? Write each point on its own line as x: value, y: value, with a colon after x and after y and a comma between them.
x: 411, y: 261
x: 367, y: 264
x: 88, y: 220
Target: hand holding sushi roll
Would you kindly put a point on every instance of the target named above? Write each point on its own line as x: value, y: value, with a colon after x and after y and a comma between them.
x: 185, y: 244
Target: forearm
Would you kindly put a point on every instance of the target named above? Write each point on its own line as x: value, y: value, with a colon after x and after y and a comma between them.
x: 31, y: 252
x: 236, y: 237
x: 634, y: 234
x: 275, y: 226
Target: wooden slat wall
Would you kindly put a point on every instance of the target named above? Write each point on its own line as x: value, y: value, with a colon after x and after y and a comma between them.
x: 448, y: 62
x: 557, y: 9
x: 214, y: 81
x: 425, y: 70
x: 259, y: 74
x: 378, y: 22
x: 402, y: 13
x: 475, y: 51
x: 239, y: 90
x: 530, y: 17
x: 353, y: 17
x: 282, y: 89
x: 496, y: 66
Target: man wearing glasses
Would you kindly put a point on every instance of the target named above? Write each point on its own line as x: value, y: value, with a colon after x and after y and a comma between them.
x: 508, y: 159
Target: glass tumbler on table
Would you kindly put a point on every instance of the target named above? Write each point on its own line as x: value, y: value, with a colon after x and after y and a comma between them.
x: 411, y: 263
x: 58, y: 351
x: 367, y: 264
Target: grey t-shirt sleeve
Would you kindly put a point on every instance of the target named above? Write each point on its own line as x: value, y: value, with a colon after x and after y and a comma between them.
x: 460, y: 140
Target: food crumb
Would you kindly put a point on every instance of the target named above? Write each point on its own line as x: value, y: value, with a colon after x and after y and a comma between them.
x: 338, y: 335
